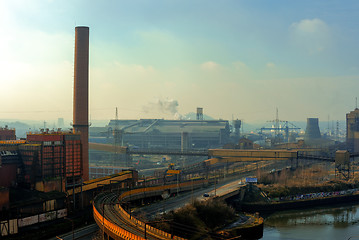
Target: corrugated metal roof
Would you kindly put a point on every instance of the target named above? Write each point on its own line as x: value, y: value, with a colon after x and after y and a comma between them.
x: 168, y: 126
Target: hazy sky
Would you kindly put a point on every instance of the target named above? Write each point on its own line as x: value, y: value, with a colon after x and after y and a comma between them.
x: 161, y: 59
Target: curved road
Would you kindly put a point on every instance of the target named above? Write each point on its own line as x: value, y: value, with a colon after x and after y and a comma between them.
x: 150, y: 211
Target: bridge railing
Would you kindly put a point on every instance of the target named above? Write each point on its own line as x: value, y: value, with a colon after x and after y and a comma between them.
x: 130, y: 220
x: 156, y: 151
x: 115, y: 229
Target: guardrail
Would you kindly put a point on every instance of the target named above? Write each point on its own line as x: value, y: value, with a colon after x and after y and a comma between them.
x: 118, y: 231
x: 121, y: 233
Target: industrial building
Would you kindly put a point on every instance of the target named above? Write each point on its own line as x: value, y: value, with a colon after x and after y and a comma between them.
x: 161, y: 133
x: 34, y: 176
x: 7, y: 133
x: 10, y: 162
x: 52, y: 158
x: 352, y: 136
x: 43, y: 158
x: 45, y: 161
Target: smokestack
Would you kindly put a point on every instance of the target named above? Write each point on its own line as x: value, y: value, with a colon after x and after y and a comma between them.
x: 81, y: 89
x: 312, y: 131
x: 200, y: 114
x: 237, y: 126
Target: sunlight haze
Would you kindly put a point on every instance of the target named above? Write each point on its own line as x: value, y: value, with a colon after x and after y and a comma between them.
x: 163, y: 59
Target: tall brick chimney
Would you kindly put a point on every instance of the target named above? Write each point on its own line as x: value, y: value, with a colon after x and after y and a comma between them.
x: 81, y: 92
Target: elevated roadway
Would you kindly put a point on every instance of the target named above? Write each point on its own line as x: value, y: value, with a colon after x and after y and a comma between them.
x: 241, y: 155
x: 220, y: 155
x: 116, y: 223
x: 251, y: 155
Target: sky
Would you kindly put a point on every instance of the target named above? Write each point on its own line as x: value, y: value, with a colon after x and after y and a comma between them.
x: 162, y: 59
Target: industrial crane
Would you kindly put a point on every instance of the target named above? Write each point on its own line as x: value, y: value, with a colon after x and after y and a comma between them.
x: 277, y: 127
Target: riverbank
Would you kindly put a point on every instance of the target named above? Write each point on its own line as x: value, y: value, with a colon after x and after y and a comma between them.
x: 270, y: 207
x: 269, y: 198
x: 246, y: 227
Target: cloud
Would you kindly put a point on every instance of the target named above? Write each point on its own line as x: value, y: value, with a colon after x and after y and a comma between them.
x: 132, y: 69
x: 238, y: 65
x: 241, y: 70
x: 310, y: 26
x: 312, y: 35
x: 270, y: 65
x: 209, y: 66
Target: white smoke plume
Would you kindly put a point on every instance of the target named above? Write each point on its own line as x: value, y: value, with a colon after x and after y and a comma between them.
x: 167, y: 106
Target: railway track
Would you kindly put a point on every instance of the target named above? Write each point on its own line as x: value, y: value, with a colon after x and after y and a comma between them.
x: 111, y: 212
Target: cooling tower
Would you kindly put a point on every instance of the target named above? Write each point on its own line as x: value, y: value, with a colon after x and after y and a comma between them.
x: 81, y: 89
x: 312, y: 132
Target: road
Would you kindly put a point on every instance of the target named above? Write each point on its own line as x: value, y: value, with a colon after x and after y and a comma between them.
x: 150, y: 211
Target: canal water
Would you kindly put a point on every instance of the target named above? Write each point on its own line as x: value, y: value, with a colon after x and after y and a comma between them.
x: 336, y: 222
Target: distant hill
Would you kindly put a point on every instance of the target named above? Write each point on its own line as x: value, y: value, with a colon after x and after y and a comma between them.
x: 20, y: 127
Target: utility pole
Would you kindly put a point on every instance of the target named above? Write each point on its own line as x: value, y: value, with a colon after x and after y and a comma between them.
x: 215, y: 183
x: 337, y: 132
x: 276, y: 131
x: 177, y: 185
x: 103, y: 221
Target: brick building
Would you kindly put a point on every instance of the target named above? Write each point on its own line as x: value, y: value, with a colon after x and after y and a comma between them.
x: 52, y: 161
x: 7, y: 134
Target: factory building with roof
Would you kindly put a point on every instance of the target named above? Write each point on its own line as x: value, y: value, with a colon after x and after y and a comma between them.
x: 161, y: 133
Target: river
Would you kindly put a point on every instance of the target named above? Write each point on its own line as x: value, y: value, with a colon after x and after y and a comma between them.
x: 339, y: 222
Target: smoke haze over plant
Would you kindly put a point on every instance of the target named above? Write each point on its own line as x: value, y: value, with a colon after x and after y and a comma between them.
x: 166, y: 106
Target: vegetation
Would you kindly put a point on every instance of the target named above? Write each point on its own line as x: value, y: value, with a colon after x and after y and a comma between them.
x: 198, y: 220
x: 289, y: 182
x: 277, y: 190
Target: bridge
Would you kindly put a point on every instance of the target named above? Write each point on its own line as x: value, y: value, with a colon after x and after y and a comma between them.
x: 231, y: 155
x: 245, y: 155
x: 147, y: 151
